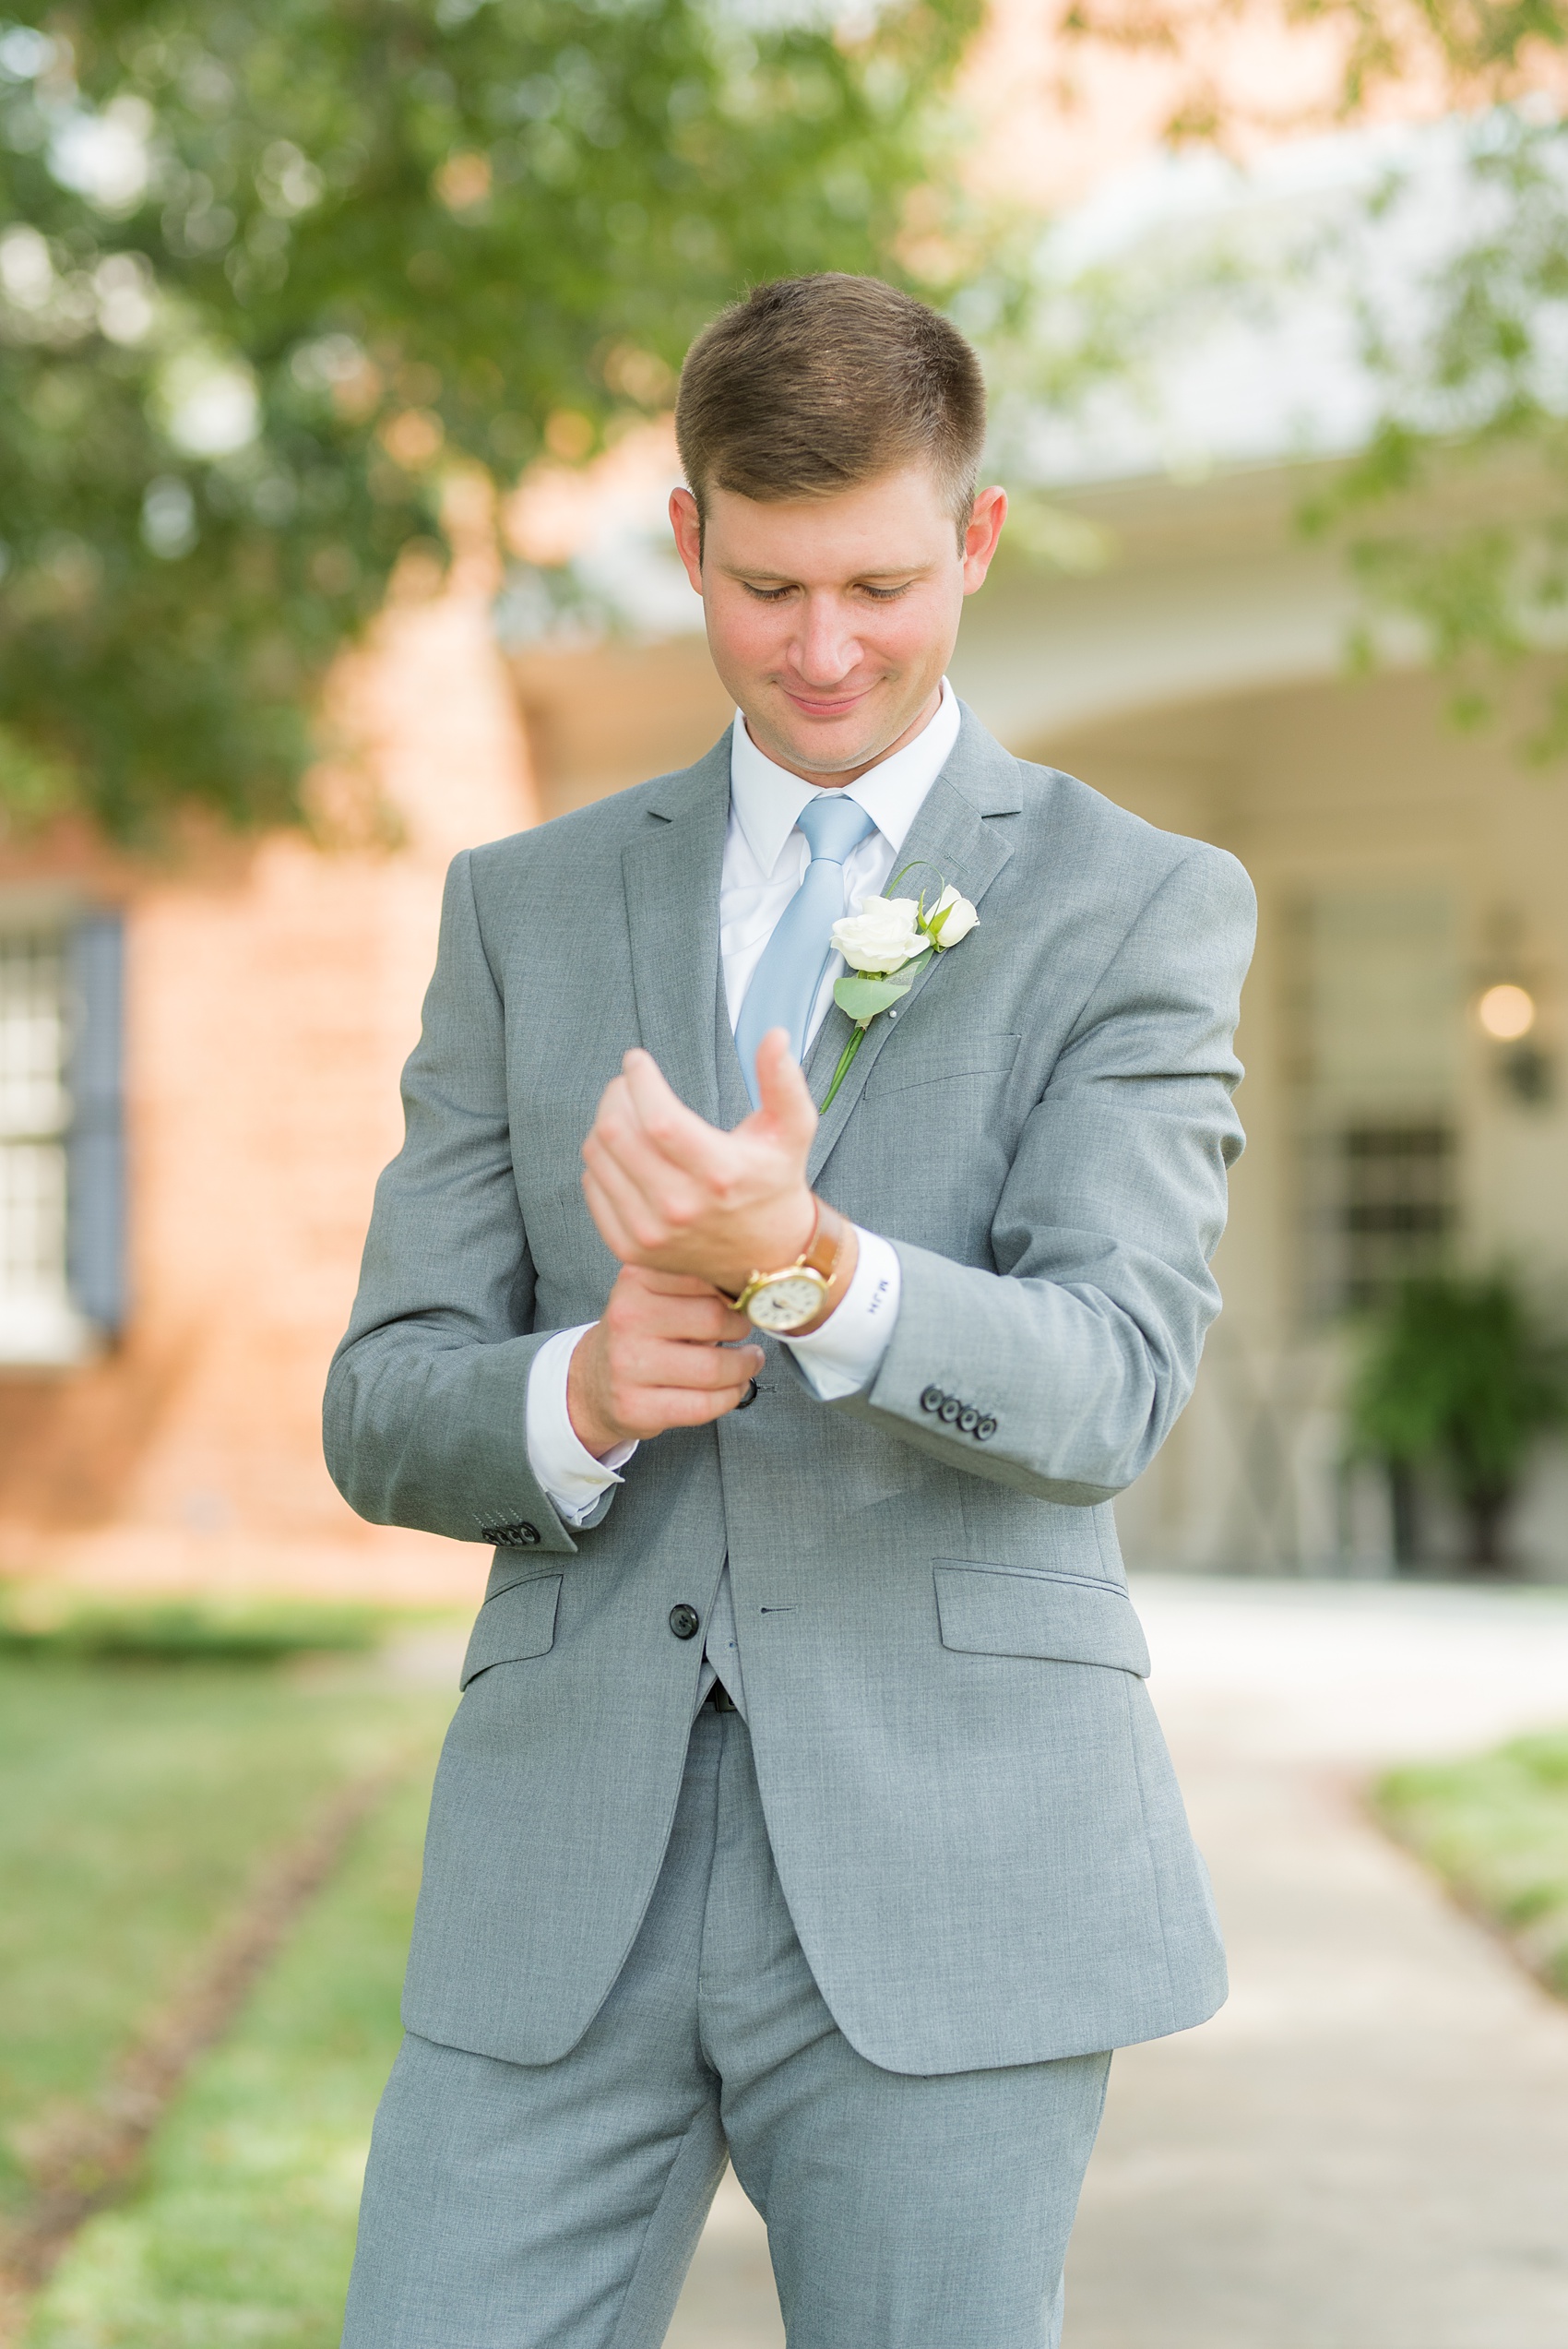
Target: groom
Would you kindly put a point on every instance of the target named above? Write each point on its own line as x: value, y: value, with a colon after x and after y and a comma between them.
x: 805, y: 1803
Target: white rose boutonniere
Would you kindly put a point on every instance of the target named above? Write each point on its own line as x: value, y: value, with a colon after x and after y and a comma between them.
x: 884, y: 936
x: 952, y: 918
x: 885, y: 945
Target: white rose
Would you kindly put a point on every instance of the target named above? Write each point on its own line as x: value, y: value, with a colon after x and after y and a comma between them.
x: 956, y: 916
x: 881, y: 936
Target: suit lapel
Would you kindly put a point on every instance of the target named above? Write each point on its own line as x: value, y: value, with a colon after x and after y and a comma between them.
x: 950, y: 840
x: 671, y: 877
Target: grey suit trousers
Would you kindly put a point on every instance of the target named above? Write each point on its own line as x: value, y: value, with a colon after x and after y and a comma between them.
x: 511, y: 2206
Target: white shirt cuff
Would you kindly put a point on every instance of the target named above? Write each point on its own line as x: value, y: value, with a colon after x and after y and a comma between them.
x: 570, y: 1474
x: 844, y: 1354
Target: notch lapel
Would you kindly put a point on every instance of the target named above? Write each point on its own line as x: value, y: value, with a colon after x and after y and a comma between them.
x: 671, y: 877
x: 948, y: 842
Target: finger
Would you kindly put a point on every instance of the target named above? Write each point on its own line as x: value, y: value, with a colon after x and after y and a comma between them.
x: 667, y: 1284
x: 659, y: 1408
x: 695, y: 1321
x: 671, y: 1194
x: 615, y: 1111
x: 620, y: 1132
x: 698, y: 1321
x: 698, y: 1317
x: 607, y: 1219
x: 675, y: 1132
x: 645, y: 1227
x: 649, y: 1089
x: 784, y: 1098
x: 616, y: 1125
x: 659, y: 1283
x: 624, y: 1224
x: 660, y: 1362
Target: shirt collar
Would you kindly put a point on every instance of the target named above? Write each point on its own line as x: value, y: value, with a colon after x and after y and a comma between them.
x: 767, y: 799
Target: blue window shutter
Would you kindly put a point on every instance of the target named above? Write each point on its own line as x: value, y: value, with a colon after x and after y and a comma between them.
x: 95, y: 1239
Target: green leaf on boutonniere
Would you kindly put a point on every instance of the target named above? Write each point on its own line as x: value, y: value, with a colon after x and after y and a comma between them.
x: 862, y: 997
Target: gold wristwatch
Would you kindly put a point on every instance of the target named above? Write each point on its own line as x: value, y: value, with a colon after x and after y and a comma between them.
x: 784, y: 1302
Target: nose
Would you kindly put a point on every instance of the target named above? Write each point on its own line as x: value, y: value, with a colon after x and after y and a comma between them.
x: 825, y: 650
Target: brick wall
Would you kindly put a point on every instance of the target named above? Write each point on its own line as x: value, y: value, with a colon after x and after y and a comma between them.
x: 272, y: 993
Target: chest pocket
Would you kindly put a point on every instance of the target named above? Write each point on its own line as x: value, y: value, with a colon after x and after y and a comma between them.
x: 988, y: 1610
x: 934, y: 1064
x: 517, y: 1622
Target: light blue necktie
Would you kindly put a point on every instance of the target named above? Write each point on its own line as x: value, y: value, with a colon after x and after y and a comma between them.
x: 785, y: 982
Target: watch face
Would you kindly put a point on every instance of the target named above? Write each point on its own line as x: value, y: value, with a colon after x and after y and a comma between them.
x: 783, y: 1305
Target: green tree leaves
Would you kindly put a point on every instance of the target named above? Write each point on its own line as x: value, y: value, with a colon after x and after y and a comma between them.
x: 1454, y: 517
x: 268, y: 265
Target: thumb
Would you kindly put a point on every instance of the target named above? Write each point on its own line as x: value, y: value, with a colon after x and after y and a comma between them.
x: 784, y: 1097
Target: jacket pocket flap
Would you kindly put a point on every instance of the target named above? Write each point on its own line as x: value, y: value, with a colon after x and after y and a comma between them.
x: 519, y: 1621
x: 989, y: 1610
x: 965, y: 1057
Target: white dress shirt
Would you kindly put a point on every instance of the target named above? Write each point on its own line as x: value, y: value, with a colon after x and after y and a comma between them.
x: 766, y: 855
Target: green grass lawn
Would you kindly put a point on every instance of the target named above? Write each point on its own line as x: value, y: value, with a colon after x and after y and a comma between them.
x: 137, y: 1801
x: 243, y: 2229
x: 1496, y: 1828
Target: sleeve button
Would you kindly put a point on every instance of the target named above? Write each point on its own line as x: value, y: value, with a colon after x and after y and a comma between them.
x: 933, y: 1398
x: 985, y: 1431
x: 968, y: 1419
x: 521, y: 1536
x: 684, y: 1621
x: 951, y: 1407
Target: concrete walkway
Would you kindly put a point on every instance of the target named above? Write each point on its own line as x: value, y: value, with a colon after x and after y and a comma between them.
x: 1367, y: 2149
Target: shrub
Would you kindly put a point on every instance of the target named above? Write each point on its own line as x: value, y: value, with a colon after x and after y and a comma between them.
x: 45, y: 1623
x: 1460, y: 1372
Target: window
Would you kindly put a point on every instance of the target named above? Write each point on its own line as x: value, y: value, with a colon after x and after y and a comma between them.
x: 1389, y: 1210
x: 60, y: 1151
x: 1373, y: 1021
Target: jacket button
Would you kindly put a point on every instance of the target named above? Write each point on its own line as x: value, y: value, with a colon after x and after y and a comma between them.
x: 951, y: 1407
x: 985, y: 1431
x: 749, y: 1397
x: 684, y: 1621
x: 933, y: 1398
x: 510, y: 1537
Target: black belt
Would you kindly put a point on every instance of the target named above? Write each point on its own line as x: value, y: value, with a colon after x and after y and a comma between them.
x: 720, y: 1699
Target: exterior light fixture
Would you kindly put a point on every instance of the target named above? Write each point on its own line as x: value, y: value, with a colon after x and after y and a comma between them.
x: 1507, y: 1013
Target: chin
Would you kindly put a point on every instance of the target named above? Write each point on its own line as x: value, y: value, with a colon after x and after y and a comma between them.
x: 833, y: 744
x: 822, y: 759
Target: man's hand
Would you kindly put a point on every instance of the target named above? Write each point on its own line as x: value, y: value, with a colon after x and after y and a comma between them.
x: 656, y: 1359
x: 673, y: 1193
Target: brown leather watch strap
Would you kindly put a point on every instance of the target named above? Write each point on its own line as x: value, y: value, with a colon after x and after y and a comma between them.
x: 826, y: 1250
x: 823, y: 1254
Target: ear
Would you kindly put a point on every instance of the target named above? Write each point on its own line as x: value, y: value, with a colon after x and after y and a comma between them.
x: 686, y: 523
x: 980, y: 539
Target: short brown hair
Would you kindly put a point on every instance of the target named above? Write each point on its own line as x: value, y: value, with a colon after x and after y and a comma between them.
x: 813, y: 385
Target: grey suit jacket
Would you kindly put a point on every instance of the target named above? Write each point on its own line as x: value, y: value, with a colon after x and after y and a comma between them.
x: 970, y: 1804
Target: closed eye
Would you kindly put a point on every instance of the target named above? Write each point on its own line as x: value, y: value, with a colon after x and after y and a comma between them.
x: 876, y: 594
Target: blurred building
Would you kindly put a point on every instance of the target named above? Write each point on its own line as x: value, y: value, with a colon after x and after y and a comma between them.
x: 1408, y: 878
x: 1194, y: 671
x: 198, y: 1085
x: 199, y: 1057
